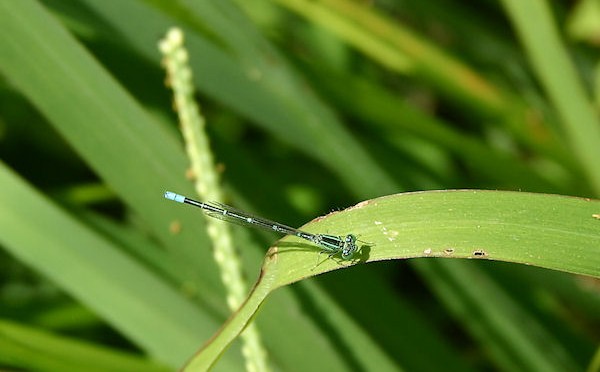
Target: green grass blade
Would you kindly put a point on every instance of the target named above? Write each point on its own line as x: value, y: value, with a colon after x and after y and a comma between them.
x: 382, y: 109
x: 79, y: 65
x: 550, y: 231
x: 275, y: 100
x: 557, y: 73
x: 397, y: 47
x: 118, y: 139
x: 43, y: 351
x: 94, y: 271
x: 511, y: 334
x: 129, y: 150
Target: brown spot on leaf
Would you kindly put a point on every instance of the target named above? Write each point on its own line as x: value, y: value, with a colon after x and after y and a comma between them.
x: 479, y: 253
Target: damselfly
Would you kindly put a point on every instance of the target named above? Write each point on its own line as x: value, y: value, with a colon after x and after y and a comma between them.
x: 345, y: 246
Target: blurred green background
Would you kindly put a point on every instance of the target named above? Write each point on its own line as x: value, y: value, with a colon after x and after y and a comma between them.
x: 311, y: 106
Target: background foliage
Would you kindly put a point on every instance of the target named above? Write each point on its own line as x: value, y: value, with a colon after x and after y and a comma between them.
x: 311, y: 106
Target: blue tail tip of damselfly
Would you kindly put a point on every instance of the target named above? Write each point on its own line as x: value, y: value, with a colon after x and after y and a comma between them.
x: 175, y: 197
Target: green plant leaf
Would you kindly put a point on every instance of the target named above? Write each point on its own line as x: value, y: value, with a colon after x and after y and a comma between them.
x: 399, y: 48
x: 33, y: 349
x: 263, y: 89
x: 95, y: 271
x: 551, y: 231
x: 90, y: 70
x: 557, y: 73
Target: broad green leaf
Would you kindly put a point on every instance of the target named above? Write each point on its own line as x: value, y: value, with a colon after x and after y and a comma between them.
x: 551, y: 231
